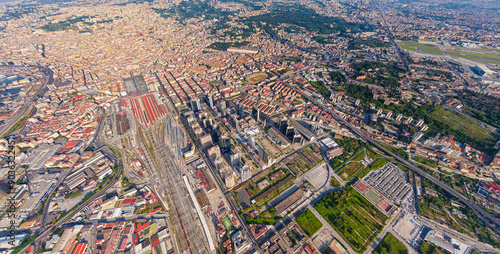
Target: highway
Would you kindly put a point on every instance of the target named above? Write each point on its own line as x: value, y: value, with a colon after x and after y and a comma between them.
x: 27, y: 105
x: 103, y: 191
x: 63, y: 176
x: 471, y: 204
x: 43, y: 218
x: 46, y: 232
x: 472, y: 242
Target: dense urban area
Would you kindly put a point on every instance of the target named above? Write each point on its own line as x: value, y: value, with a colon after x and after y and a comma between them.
x: 239, y: 126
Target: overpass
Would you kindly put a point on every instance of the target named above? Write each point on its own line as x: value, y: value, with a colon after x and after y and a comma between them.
x: 490, y: 219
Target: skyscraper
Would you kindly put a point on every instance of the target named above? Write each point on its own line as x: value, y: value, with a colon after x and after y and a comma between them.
x: 235, y: 159
x: 211, y: 99
x: 251, y: 142
x: 283, y: 123
x: 297, y: 138
x: 225, y: 144
x: 264, y: 155
x: 195, y: 104
x: 246, y: 173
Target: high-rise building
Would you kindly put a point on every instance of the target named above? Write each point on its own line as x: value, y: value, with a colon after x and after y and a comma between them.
x: 206, y: 141
x: 289, y: 131
x: 283, y: 123
x: 251, y: 142
x: 420, y: 122
x: 399, y: 117
x: 190, y: 120
x: 214, y: 152
x: 234, y: 120
x: 256, y: 114
x: 246, y: 173
x: 389, y: 114
x: 264, y: 155
x: 195, y: 104
x: 216, y: 133
x: 240, y: 110
x: 225, y: 144
x: 211, y: 99
x: 229, y: 180
x: 235, y: 159
x: 297, y: 138
x: 219, y: 164
x: 417, y: 136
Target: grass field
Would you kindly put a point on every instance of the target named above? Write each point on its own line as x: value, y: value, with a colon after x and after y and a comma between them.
x: 360, y: 156
x: 309, y: 223
x: 425, y: 161
x: 413, y: 46
x: 350, y: 170
x: 334, y: 182
x: 371, y: 154
x: 354, y: 217
x: 392, y: 245
x: 376, y: 164
x: 431, y: 52
x: 476, y: 58
x: 470, y: 53
x: 467, y: 125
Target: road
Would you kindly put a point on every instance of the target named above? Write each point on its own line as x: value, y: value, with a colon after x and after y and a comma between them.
x: 43, y: 218
x: 391, y: 38
x: 495, y: 223
x: 472, y: 242
x: 222, y: 187
x: 378, y: 239
x: 27, y: 105
x: 492, y: 221
x: 62, y: 178
x: 334, y: 232
x: 46, y: 232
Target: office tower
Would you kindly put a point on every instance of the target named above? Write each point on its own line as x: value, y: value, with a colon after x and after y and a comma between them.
x: 195, y: 104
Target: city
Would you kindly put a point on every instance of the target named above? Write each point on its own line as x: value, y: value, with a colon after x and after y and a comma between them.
x: 209, y: 126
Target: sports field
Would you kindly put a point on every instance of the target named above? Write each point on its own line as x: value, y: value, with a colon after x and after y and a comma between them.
x: 228, y: 224
x: 256, y: 77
